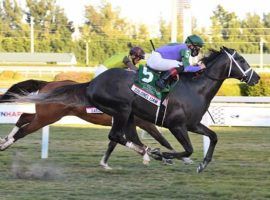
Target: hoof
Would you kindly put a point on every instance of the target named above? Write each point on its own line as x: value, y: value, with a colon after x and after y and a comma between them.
x: 167, y: 161
x: 168, y: 155
x: 156, y: 154
x: 7, y: 144
x: 200, y: 168
x: 146, y: 159
x: 187, y: 161
x: 2, y: 140
x: 105, y: 166
x: 145, y: 162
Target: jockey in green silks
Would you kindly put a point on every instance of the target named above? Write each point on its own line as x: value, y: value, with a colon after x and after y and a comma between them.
x: 136, y: 54
x: 174, y: 59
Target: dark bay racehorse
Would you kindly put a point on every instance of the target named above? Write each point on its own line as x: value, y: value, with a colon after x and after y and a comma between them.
x: 50, y: 113
x: 187, y: 103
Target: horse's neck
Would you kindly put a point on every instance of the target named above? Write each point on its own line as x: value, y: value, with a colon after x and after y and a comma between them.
x: 209, y: 88
x: 218, y: 70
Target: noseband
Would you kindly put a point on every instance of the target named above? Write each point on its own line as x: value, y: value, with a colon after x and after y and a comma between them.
x: 244, y: 73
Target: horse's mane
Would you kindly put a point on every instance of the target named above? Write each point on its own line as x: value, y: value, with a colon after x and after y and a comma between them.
x: 211, y: 55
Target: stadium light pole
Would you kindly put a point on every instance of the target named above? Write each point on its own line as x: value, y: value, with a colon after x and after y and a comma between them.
x: 87, y: 52
x: 32, y: 47
x: 261, y: 52
x: 187, y: 22
x: 173, y: 22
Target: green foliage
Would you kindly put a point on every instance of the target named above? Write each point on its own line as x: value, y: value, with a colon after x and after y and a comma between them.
x: 265, y: 82
x: 107, y: 33
x: 229, y: 89
x: 234, y: 88
x: 261, y: 89
x: 10, y: 75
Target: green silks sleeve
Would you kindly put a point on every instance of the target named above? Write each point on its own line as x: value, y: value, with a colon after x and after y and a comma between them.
x: 185, y: 54
x: 115, y: 61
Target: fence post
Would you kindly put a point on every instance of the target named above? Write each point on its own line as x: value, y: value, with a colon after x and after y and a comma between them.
x: 45, y: 142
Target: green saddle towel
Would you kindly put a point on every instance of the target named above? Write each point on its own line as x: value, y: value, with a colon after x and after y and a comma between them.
x: 145, y: 85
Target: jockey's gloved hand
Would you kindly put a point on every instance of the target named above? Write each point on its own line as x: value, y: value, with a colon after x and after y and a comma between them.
x: 180, y: 69
x: 126, y: 60
x: 201, y: 71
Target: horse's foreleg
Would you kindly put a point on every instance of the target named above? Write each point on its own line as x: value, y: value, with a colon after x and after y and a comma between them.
x: 203, y: 130
x: 153, y: 131
x: 105, y: 158
x: 25, y: 118
x: 181, y: 135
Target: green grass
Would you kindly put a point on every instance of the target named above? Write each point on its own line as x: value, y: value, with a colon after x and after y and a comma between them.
x: 240, y: 168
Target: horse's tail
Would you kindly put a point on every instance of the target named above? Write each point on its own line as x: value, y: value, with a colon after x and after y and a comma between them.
x: 70, y: 95
x: 22, y: 88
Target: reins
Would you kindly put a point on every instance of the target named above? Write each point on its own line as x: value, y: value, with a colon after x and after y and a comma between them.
x: 233, y: 61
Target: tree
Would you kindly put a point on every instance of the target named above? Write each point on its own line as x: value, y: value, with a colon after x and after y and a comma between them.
x: 252, y: 31
x: 53, y: 30
x: 107, y: 32
x: 164, y: 30
x: 266, y: 23
x: 13, y: 31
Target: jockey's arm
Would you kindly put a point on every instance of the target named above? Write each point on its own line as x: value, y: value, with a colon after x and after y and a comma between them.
x: 185, y: 54
x: 129, y: 64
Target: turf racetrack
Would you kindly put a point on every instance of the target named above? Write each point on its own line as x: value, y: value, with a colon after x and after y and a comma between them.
x: 240, y: 169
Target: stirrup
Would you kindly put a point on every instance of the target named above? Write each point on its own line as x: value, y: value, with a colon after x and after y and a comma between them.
x: 160, y: 83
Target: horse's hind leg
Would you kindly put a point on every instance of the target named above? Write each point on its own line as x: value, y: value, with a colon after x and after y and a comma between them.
x: 121, y: 124
x: 105, y: 158
x: 31, y: 127
x: 133, y: 137
x: 25, y: 118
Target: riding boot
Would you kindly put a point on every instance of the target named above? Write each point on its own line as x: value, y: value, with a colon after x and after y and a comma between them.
x: 164, y: 78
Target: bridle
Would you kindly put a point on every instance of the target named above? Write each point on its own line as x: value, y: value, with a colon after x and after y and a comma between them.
x: 244, y: 77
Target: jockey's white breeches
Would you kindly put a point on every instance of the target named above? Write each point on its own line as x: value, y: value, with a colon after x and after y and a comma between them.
x: 156, y: 62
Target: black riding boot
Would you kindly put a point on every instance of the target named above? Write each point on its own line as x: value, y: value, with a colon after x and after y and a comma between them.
x: 164, y: 78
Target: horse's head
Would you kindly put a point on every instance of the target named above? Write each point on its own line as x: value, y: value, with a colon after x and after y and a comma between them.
x: 232, y: 65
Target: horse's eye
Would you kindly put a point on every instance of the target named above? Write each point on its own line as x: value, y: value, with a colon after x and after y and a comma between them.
x: 242, y: 61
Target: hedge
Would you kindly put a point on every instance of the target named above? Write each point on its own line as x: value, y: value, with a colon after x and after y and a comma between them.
x: 11, y: 75
x: 80, y: 77
x: 242, y: 89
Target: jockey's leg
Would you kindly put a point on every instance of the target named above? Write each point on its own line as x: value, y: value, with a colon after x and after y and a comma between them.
x: 167, y: 76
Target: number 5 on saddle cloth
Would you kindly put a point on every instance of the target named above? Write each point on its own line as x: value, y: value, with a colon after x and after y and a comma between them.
x: 145, y: 87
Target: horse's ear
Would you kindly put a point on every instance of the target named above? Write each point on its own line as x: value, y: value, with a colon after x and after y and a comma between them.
x: 225, y: 49
x: 222, y: 49
x: 129, y: 45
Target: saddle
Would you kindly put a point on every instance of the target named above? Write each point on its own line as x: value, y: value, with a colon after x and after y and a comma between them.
x: 145, y: 86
